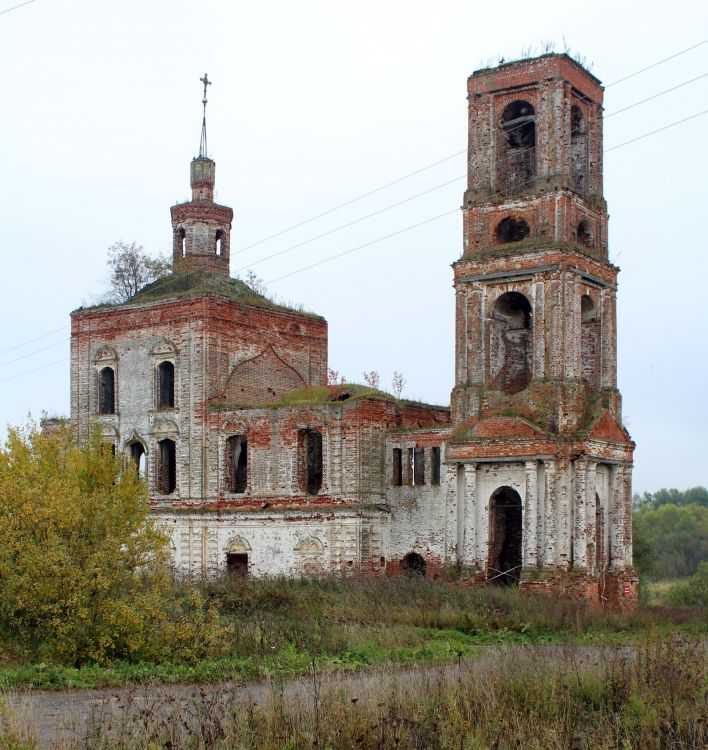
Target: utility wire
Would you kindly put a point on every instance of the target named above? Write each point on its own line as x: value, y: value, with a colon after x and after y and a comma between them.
x: 36, y: 369
x: 658, y: 130
x: 655, y: 96
x: 36, y: 351
x: 31, y: 341
x: 15, y: 7
x: 654, y: 65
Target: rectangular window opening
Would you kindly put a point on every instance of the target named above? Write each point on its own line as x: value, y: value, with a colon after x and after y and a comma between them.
x: 310, y: 449
x: 397, y: 468
x: 435, y: 457
x: 237, y: 464
x: 167, y: 469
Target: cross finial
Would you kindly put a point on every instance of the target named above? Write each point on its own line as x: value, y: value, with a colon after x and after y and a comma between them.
x: 203, y: 141
x: 206, y: 83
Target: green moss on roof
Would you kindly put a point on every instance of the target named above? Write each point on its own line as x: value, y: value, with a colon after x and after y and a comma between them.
x: 312, y: 395
x: 201, y: 282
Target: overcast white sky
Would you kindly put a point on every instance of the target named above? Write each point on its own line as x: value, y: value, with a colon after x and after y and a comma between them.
x: 313, y: 103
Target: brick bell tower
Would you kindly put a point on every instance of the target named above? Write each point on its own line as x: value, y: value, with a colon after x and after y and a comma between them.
x: 201, y: 229
x: 544, y: 463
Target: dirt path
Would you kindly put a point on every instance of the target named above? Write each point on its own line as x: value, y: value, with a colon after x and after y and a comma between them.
x: 59, y: 717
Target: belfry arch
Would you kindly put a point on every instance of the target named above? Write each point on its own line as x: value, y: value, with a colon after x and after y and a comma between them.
x: 505, y: 537
x: 510, y: 343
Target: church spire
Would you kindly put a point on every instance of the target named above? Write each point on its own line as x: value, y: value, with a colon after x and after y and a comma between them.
x: 203, y: 140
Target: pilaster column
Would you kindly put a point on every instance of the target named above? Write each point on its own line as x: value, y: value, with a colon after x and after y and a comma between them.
x: 550, y: 527
x: 590, y: 511
x: 580, y: 476
x: 538, y: 330
x: 467, y: 544
x: 616, y: 518
x: 452, y: 495
x: 530, y: 551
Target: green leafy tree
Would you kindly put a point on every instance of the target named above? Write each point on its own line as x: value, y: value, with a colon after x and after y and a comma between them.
x: 82, y: 566
x: 131, y: 269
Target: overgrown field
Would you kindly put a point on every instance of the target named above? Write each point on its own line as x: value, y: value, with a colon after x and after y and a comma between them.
x: 652, y: 697
x: 244, y: 629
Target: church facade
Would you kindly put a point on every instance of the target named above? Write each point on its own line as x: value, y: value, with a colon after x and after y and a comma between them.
x: 256, y: 465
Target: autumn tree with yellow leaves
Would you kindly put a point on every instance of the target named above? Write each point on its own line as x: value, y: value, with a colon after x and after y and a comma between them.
x: 83, y: 574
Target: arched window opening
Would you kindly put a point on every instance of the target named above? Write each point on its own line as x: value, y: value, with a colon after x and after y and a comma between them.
x: 584, y: 233
x: 517, y: 160
x: 182, y: 242
x: 511, y: 230
x: 219, y: 235
x: 589, y: 342
x: 236, y: 463
x: 310, y: 461
x: 166, y: 385
x: 107, y: 391
x: 414, y: 565
x: 505, y: 537
x: 138, y: 458
x: 578, y: 147
x: 510, y: 343
x: 167, y: 467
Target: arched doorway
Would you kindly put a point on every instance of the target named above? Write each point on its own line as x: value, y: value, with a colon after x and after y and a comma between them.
x: 414, y: 564
x: 505, y: 537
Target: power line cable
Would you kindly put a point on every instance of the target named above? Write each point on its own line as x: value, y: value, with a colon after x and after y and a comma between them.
x: 36, y: 369
x: 655, y: 96
x: 654, y: 65
x: 31, y: 341
x: 36, y: 351
x: 658, y: 130
x: 15, y: 7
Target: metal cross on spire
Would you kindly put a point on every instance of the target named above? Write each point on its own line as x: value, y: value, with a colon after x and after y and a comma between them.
x: 203, y: 141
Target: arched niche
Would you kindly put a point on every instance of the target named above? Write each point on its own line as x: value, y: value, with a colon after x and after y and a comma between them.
x: 578, y: 148
x: 589, y: 341
x: 510, y: 343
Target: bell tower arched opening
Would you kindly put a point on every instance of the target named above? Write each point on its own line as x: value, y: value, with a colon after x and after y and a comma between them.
x: 505, y: 537
x: 517, y: 146
x: 510, y: 343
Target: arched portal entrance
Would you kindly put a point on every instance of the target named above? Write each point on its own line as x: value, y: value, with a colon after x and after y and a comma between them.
x: 505, y: 536
x: 414, y: 564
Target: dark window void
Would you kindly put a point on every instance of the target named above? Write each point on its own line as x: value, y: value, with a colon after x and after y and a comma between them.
x: 219, y: 235
x: 414, y: 564
x: 505, y: 537
x: 578, y: 148
x: 418, y: 460
x: 510, y: 343
x: 435, y: 465
x: 511, y: 230
x: 589, y: 342
x: 584, y: 234
x: 236, y: 463
x: 106, y: 391
x: 397, y: 468
x: 517, y: 159
x: 165, y: 385
x: 137, y: 457
x: 167, y: 467
x: 310, y: 461
x: 237, y: 564
x: 182, y: 241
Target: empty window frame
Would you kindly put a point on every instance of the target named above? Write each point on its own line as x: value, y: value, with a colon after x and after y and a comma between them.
x: 236, y: 464
x: 138, y: 458
x: 417, y: 461
x: 107, y: 391
x: 397, y: 468
x: 435, y: 465
x: 167, y: 467
x: 165, y: 385
x: 517, y: 162
x: 310, y: 449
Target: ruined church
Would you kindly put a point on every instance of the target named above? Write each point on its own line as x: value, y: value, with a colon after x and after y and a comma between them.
x: 257, y: 466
